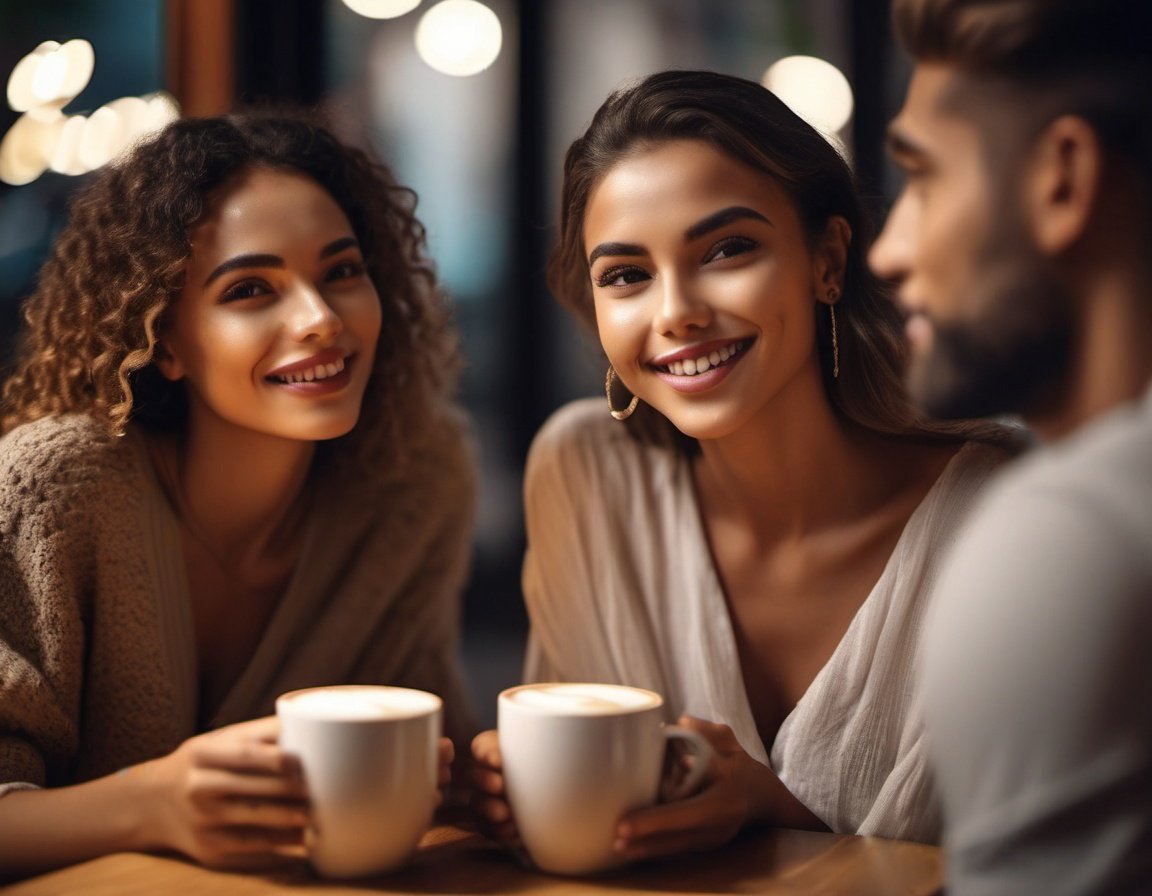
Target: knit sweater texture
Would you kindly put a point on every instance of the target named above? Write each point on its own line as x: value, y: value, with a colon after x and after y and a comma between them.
x: 98, y: 665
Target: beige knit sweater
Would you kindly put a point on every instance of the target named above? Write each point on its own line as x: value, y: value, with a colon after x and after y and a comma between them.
x: 98, y: 665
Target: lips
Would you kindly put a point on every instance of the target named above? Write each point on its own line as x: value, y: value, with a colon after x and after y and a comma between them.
x: 321, y: 366
x: 697, y: 360
x: 702, y: 367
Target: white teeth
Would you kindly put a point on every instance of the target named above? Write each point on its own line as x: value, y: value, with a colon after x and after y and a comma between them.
x: 319, y: 372
x: 697, y: 366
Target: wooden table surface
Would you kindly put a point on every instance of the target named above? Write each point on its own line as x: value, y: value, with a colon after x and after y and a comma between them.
x: 453, y: 860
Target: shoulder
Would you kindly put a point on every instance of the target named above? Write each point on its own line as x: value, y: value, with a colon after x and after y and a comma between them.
x: 1103, y: 472
x: 448, y: 452
x: 437, y: 478
x: 580, y: 441
x: 1065, y: 530
x: 60, y: 452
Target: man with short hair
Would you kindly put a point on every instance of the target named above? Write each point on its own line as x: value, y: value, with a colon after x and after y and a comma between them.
x: 1022, y: 249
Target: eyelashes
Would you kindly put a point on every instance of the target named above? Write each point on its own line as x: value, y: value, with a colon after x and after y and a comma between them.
x: 250, y: 288
x: 623, y: 275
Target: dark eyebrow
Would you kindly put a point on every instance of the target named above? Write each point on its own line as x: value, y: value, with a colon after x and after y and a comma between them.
x: 721, y: 218
x: 246, y: 261
x: 275, y: 261
x: 337, y: 246
x: 614, y: 249
x: 713, y: 222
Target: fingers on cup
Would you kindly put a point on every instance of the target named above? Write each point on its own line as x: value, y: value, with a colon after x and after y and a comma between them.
x: 272, y: 814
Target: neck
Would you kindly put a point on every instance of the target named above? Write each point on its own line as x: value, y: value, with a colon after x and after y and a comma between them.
x: 797, y: 467
x: 238, y: 489
x: 1112, y: 364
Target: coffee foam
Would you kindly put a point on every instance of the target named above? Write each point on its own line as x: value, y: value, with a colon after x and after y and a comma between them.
x: 359, y: 703
x: 583, y: 699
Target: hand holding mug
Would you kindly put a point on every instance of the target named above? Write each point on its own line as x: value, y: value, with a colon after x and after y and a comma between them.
x: 575, y: 758
x: 373, y: 761
x: 229, y: 798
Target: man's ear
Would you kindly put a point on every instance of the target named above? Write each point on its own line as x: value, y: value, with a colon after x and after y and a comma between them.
x: 166, y: 362
x: 832, y: 257
x: 1062, y: 182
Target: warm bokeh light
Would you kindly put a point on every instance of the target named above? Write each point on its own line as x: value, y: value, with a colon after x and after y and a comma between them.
x: 459, y: 37
x: 65, y: 158
x: 43, y: 138
x: 381, y: 9
x: 814, y: 89
x: 51, y: 75
x: 28, y: 146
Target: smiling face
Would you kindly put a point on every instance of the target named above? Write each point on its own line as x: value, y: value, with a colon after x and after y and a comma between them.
x: 276, y: 327
x: 703, y: 285
x: 988, y: 322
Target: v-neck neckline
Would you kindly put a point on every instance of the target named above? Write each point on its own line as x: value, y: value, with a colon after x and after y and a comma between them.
x: 174, y: 608
x: 718, y: 609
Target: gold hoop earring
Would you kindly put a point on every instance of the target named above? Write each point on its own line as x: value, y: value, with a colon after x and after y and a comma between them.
x: 834, y: 294
x: 617, y: 414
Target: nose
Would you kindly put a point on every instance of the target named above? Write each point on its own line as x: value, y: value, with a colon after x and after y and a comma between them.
x: 891, y: 255
x: 681, y: 309
x: 311, y: 316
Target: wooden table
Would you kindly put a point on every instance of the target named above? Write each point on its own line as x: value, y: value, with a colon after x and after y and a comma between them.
x: 453, y: 860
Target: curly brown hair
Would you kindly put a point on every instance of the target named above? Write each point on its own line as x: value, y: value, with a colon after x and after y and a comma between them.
x: 746, y: 121
x: 91, y: 324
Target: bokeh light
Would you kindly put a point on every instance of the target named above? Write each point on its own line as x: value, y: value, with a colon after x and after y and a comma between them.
x: 44, y: 138
x: 381, y: 9
x: 814, y: 89
x: 459, y: 37
x: 51, y: 75
x: 28, y: 146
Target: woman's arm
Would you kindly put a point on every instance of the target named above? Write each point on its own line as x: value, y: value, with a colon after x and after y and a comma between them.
x: 228, y: 799
x: 738, y: 791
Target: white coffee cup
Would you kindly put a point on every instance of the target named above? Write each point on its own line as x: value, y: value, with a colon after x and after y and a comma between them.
x: 578, y: 756
x: 369, y: 756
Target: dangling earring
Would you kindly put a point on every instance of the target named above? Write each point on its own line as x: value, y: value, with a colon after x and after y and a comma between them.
x: 627, y: 412
x: 833, y: 295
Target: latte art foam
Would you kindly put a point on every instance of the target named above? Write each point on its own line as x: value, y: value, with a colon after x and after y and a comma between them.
x: 583, y: 699
x: 359, y: 703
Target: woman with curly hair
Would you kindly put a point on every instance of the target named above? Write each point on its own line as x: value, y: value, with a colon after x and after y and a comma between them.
x: 230, y: 468
x: 757, y: 538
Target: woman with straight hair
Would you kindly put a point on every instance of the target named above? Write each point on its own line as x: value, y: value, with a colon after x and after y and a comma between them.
x: 752, y: 524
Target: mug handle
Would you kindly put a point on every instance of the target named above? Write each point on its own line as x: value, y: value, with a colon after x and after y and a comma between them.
x: 700, y: 750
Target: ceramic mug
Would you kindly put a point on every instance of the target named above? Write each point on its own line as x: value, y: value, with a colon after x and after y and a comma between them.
x: 578, y: 756
x: 369, y: 756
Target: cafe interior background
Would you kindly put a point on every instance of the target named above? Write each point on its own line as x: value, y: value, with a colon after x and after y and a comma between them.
x: 473, y: 104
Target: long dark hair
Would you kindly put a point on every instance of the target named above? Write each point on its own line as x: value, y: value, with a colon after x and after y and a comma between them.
x: 92, y: 322
x: 748, y: 122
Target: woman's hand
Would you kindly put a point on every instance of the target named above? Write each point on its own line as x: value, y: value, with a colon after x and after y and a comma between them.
x: 737, y: 790
x: 489, y: 803
x: 229, y: 798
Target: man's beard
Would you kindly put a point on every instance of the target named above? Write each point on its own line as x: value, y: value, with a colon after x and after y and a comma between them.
x: 1013, y: 357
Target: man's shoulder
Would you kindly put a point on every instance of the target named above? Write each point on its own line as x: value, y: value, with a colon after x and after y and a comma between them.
x: 1104, y: 472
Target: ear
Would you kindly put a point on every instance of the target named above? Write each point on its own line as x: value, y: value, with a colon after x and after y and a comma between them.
x: 1062, y: 183
x: 166, y: 362
x: 832, y: 259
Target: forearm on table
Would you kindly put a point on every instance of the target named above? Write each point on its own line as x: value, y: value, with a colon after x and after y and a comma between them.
x: 45, y: 829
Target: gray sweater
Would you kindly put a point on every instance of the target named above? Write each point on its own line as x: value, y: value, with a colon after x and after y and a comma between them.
x: 98, y: 666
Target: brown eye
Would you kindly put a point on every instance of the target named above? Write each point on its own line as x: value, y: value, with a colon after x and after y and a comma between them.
x: 730, y: 247
x: 621, y: 275
x: 246, y: 289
